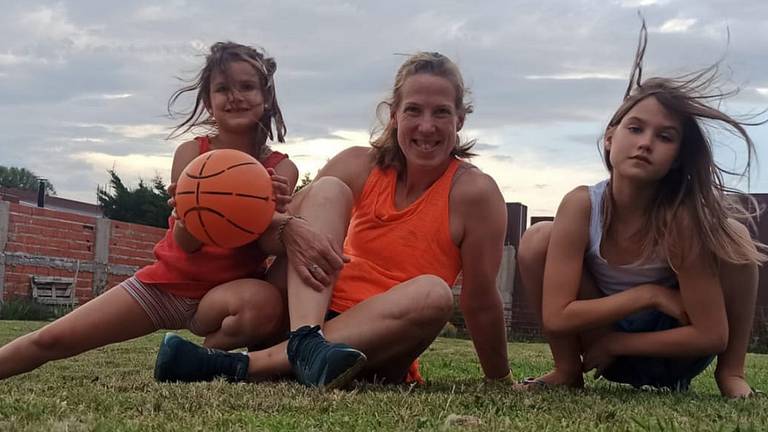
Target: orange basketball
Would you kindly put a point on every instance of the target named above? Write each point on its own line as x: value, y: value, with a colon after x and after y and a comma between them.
x: 225, y: 198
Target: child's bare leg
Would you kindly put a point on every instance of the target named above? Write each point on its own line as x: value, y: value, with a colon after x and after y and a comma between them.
x: 114, y: 316
x: 739, y: 284
x: 239, y: 313
x: 566, y: 351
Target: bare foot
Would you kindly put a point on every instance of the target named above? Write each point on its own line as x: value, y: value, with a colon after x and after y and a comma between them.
x: 733, y: 386
x: 552, y: 379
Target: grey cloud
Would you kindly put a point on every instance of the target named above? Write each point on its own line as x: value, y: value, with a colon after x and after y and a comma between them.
x: 336, y: 62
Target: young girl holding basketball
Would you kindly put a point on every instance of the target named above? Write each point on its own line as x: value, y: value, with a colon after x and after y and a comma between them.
x: 648, y: 275
x: 214, y: 292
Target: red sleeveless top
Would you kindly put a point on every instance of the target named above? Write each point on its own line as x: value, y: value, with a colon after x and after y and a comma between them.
x: 194, y: 274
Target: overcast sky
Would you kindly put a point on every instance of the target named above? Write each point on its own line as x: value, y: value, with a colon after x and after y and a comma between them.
x: 84, y: 84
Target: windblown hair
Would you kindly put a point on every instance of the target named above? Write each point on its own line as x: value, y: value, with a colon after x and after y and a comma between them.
x: 692, y: 198
x: 384, y: 139
x: 220, y: 56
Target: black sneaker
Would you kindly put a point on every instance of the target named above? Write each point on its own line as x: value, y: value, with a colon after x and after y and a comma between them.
x: 184, y: 361
x: 319, y: 363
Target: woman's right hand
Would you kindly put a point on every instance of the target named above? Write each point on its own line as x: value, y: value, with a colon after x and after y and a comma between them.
x: 315, y: 256
x: 670, y: 302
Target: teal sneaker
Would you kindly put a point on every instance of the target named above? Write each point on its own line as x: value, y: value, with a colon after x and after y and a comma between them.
x: 319, y: 363
x: 180, y: 360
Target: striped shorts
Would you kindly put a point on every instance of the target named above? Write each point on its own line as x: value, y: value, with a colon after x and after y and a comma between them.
x: 165, y: 310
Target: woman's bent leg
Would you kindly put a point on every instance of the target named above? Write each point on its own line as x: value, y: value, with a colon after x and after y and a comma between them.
x: 392, y: 328
x: 326, y: 205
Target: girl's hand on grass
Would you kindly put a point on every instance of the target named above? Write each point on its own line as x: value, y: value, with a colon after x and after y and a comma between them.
x: 281, y: 191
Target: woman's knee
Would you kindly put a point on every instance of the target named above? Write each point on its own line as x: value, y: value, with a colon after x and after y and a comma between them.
x: 430, y: 298
x: 327, y: 190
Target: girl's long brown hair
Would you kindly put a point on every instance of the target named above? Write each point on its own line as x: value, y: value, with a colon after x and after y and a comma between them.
x: 694, y: 189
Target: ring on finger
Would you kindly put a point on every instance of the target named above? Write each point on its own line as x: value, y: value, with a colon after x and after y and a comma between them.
x: 314, y: 268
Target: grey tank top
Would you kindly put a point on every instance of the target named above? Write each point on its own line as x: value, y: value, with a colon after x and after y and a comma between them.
x: 612, y: 279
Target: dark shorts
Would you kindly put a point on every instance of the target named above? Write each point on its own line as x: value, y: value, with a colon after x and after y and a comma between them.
x: 665, y: 373
x: 331, y: 314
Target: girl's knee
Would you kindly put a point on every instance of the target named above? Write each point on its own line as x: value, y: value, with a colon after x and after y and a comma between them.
x: 533, y: 244
x: 260, y: 310
x: 49, y: 339
x: 258, y: 324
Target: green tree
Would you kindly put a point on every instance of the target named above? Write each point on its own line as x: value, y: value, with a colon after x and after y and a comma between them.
x: 147, y: 204
x: 22, y: 178
x: 305, y: 180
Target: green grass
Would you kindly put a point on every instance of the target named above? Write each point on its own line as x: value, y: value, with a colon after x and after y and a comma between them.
x: 112, y: 389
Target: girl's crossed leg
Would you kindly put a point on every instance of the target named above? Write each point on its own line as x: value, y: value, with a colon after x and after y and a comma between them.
x: 739, y: 284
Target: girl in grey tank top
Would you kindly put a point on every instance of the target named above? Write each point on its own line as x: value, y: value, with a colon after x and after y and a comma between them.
x: 647, y: 323
x: 612, y: 279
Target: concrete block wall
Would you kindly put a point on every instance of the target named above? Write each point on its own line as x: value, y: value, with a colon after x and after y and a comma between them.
x: 98, y: 252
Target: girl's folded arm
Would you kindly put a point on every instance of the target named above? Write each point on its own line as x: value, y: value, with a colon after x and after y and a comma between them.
x: 703, y: 301
x: 562, y: 311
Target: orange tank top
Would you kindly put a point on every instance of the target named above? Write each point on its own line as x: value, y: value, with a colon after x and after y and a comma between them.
x: 389, y: 246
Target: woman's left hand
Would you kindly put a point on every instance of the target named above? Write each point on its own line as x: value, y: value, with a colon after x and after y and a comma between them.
x: 598, y: 356
x: 281, y: 191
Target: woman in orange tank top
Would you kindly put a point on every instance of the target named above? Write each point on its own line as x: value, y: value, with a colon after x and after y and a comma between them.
x: 409, y: 215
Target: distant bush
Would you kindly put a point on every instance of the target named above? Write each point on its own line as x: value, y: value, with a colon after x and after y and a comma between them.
x: 26, y: 309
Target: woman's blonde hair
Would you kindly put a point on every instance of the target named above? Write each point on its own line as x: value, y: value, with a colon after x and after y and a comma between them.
x: 384, y: 140
x: 694, y: 188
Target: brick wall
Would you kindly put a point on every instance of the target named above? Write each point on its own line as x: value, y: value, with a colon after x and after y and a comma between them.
x: 98, y: 252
